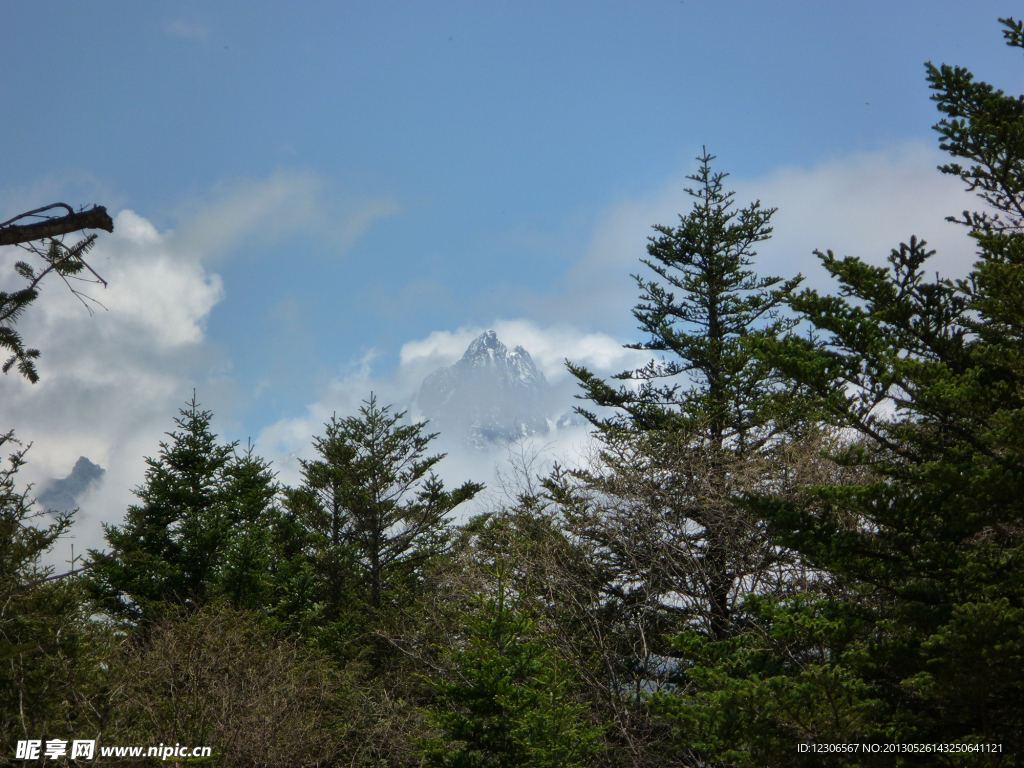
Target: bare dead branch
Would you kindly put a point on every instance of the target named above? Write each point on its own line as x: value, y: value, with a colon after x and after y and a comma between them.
x: 37, y: 211
x: 56, y: 577
x: 16, y: 234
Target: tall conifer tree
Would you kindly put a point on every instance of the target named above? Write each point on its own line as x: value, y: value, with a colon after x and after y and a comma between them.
x: 919, y: 638
x: 176, y: 548
x: 372, y: 498
x: 691, y: 430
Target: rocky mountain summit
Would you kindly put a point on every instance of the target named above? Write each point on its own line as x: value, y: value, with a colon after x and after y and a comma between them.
x: 59, y: 494
x: 490, y: 396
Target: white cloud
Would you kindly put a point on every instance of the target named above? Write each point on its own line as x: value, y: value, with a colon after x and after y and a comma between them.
x: 112, y: 383
x: 865, y: 206
x: 291, y: 438
x: 862, y: 205
x: 549, y: 347
x: 281, y: 205
x: 188, y: 30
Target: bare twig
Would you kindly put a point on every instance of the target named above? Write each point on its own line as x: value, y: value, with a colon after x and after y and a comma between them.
x: 36, y: 211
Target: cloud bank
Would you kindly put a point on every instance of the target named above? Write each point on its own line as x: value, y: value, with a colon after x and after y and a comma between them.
x: 290, y: 439
x: 112, y: 382
x: 860, y: 205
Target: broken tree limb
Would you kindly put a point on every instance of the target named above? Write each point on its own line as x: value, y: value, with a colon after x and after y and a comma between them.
x: 94, y: 218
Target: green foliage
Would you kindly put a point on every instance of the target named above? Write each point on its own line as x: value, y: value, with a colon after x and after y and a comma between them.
x: 372, y: 502
x: 986, y: 127
x: 507, y: 698
x: 929, y: 373
x: 668, y: 540
x: 58, y: 258
x: 975, y: 662
x: 796, y: 676
x: 21, y: 542
x: 552, y: 582
x: 700, y: 308
x: 908, y: 628
x: 50, y: 653
x: 202, y: 529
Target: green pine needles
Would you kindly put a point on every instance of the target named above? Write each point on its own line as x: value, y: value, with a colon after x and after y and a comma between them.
x: 66, y: 262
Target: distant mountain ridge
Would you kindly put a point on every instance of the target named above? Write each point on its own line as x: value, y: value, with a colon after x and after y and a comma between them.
x: 59, y: 495
x: 490, y: 396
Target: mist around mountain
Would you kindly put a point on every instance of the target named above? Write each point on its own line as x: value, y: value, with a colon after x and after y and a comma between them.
x: 59, y: 495
x: 491, y: 396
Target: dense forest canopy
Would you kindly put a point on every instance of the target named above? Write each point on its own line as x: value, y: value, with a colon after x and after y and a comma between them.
x: 803, y: 525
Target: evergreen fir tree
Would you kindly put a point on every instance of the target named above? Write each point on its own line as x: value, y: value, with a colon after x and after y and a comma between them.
x: 700, y: 309
x: 181, y: 547
x: 50, y: 651
x: 507, y: 699
x: 693, y: 430
x: 372, y: 502
x: 926, y: 632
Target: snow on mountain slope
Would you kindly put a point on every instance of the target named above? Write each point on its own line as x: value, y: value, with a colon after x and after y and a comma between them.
x: 490, y: 396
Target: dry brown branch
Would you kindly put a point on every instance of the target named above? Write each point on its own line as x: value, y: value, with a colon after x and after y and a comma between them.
x: 218, y: 679
x: 54, y: 226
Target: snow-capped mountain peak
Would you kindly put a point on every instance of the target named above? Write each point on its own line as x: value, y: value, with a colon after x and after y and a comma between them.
x: 490, y: 395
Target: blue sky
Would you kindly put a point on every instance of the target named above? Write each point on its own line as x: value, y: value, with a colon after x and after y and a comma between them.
x: 320, y: 199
